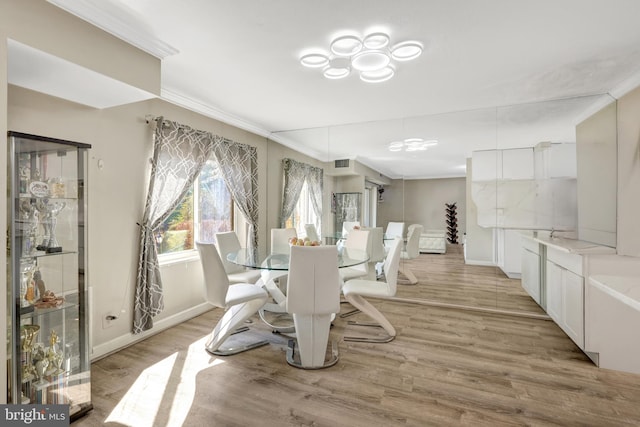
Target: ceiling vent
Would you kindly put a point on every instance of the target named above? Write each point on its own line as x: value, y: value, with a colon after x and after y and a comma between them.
x: 341, y: 163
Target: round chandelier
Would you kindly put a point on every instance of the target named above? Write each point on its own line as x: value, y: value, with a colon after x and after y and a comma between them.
x: 372, y: 57
x: 412, y: 144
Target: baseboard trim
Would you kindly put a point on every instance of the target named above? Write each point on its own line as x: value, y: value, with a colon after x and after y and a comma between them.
x: 478, y: 262
x: 126, y: 340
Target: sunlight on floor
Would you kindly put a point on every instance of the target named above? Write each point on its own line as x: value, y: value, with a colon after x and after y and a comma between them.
x: 141, y: 404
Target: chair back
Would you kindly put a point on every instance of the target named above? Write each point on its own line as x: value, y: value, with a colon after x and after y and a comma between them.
x: 347, y: 227
x: 394, y: 229
x: 392, y: 264
x: 359, y: 239
x: 280, y: 239
x: 227, y: 243
x: 376, y: 235
x: 215, y: 278
x: 413, y: 240
x: 313, y: 286
x: 312, y: 233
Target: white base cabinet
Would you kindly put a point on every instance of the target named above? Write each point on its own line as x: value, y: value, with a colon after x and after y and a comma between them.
x: 565, y: 293
x: 530, y: 255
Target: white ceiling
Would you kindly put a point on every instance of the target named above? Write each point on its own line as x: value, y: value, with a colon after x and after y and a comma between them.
x: 238, y: 61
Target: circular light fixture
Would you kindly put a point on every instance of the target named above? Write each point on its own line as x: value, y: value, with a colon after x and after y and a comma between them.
x: 346, y: 46
x: 406, y: 51
x: 376, y: 41
x: 338, y: 68
x: 412, y: 144
x: 314, y: 60
x: 378, y: 76
x: 370, y: 60
x: 371, y: 56
x: 396, y: 146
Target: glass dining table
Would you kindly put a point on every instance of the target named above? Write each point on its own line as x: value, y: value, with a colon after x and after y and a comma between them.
x: 275, y: 268
x: 347, y: 257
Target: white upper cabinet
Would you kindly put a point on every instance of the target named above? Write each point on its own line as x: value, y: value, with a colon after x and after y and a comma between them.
x: 517, y: 163
x: 526, y: 188
x: 485, y: 165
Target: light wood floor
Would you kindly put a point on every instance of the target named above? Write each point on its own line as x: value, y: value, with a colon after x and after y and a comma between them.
x: 445, y: 278
x: 446, y: 367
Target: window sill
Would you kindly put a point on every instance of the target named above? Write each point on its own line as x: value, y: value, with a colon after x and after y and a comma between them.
x: 178, y: 258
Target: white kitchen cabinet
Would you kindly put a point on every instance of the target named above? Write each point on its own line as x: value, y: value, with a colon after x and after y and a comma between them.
x: 573, y: 306
x: 508, y: 253
x: 531, y: 269
x: 554, y: 292
x: 565, y: 293
x: 517, y: 163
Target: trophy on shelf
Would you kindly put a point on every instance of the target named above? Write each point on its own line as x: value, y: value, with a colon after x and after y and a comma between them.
x: 29, y: 226
x: 49, y: 218
x: 28, y: 334
x: 41, y: 363
x: 27, y: 289
x: 55, y: 356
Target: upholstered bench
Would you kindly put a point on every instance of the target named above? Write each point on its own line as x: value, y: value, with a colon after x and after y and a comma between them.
x: 433, y: 242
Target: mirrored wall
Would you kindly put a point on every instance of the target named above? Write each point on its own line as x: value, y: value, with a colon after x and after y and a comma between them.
x: 495, y: 175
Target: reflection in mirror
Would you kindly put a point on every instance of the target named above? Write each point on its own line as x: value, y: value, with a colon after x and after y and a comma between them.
x: 506, y: 170
x: 536, y: 191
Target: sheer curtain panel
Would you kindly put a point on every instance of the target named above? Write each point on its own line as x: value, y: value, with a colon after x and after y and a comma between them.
x: 295, y: 173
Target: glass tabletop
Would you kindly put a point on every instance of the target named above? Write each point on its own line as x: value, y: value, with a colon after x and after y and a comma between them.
x: 346, y: 258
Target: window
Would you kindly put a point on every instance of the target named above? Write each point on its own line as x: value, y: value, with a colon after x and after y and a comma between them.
x: 213, y: 210
x: 303, y: 213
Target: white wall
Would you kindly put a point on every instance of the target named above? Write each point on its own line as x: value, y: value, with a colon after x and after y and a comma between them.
x: 597, y: 174
x: 629, y: 174
x: 392, y: 206
x: 424, y: 202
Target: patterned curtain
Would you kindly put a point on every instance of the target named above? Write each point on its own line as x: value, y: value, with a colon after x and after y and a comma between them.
x: 295, y: 174
x: 179, y: 154
x: 316, y: 187
x: 239, y: 166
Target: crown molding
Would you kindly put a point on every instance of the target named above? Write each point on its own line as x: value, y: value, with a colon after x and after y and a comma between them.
x: 118, y: 20
x: 230, y: 119
x: 214, y: 113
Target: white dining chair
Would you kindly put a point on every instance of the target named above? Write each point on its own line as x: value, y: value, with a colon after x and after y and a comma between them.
x: 359, y: 240
x: 348, y: 226
x: 228, y: 243
x: 377, y: 252
x: 274, y: 281
x: 240, y: 301
x: 411, y: 251
x: 280, y: 239
x: 356, y: 289
x: 312, y: 232
x: 393, y: 230
x: 313, y: 297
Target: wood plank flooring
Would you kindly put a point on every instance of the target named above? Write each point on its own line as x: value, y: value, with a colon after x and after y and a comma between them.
x: 446, y: 367
x: 447, y: 279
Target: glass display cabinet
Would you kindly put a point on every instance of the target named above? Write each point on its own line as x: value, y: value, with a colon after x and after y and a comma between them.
x: 48, y: 355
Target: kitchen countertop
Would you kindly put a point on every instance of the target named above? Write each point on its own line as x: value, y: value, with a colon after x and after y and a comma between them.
x: 574, y: 246
x: 623, y: 288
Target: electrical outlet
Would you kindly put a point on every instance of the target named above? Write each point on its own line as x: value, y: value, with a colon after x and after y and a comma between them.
x: 108, y: 319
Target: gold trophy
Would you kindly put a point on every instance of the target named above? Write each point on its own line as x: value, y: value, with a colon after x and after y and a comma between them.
x: 28, y: 335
